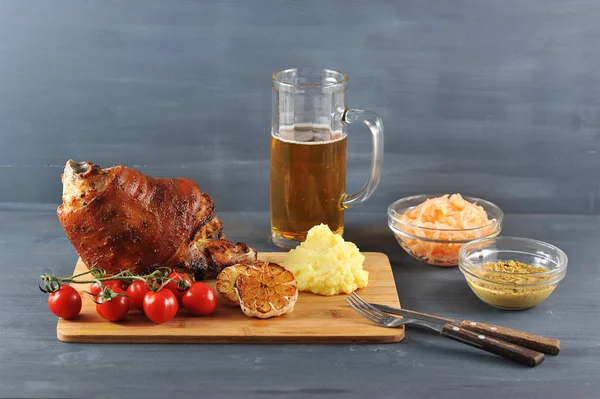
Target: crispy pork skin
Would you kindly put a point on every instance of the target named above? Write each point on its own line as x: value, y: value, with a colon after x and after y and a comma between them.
x: 119, y: 219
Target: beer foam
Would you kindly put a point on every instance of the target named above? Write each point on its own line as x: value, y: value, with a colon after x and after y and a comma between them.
x: 337, y: 136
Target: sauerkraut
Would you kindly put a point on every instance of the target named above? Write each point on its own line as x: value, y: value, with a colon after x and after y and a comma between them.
x: 435, y: 230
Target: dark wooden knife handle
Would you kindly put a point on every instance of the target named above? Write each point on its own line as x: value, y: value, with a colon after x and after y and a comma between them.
x: 550, y: 346
x: 505, y: 349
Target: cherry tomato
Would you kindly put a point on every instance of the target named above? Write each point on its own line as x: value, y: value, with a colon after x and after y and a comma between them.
x: 200, y: 299
x: 96, y: 288
x: 160, y: 306
x: 175, y: 285
x: 115, y: 308
x: 137, y: 291
x: 65, y: 302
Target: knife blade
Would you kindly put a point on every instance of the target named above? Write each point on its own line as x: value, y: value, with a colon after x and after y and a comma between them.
x: 536, y: 342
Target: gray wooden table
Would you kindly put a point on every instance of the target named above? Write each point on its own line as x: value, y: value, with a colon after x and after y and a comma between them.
x: 497, y: 99
x: 33, y: 363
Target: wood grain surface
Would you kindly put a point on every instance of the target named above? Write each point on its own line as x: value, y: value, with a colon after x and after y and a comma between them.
x: 550, y: 346
x: 35, y: 364
x: 315, y: 319
x: 498, y: 347
x: 496, y: 99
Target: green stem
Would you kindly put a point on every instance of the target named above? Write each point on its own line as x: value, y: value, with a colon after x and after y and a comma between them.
x: 52, y: 283
x: 82, y: 274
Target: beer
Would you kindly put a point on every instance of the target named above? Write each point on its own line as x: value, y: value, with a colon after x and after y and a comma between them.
x: 309, y: 116
x: 308, y: 181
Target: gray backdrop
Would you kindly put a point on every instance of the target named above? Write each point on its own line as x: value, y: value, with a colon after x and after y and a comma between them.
x: 499, y: 99
x: 495, y: 98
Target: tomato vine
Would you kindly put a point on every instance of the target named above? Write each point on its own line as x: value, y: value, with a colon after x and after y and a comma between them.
x: 154, y: 281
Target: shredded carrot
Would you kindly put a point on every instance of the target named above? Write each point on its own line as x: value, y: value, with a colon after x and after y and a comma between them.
x: 449, y: 216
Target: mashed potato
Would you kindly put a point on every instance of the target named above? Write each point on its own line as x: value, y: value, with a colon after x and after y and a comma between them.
x: 326, y: 264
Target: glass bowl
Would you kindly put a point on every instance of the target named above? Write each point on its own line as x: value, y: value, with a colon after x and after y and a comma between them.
x: 438, y: 247
x: 512, y: 291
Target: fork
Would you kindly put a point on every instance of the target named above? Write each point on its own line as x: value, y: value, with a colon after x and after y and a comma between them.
x: 507, y: 350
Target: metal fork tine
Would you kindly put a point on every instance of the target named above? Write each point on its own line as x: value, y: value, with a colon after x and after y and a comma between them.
x: 368, y: 305
x: 379, y: 317
x: 356, y: 306
x: 372, y: 315
x: 363, y: 314
x: 373, y: 310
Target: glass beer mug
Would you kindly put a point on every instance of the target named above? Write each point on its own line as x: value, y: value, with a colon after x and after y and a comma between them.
x: 308, y: 153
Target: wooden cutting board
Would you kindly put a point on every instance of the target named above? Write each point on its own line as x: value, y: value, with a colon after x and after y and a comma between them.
x: 315, y: 319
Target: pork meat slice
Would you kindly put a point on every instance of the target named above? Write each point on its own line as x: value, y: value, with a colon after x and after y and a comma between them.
x: 213, y: 229
x: 219, y: 254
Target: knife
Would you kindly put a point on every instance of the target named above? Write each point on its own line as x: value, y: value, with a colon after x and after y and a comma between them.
x: 536, y: 342
x: 480, y: 341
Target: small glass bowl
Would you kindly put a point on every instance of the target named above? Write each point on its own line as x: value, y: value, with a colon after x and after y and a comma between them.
x: 512, y: 291
x: 438, y: 247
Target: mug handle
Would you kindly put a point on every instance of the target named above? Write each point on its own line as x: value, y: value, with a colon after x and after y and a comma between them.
x: 375, y: 124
